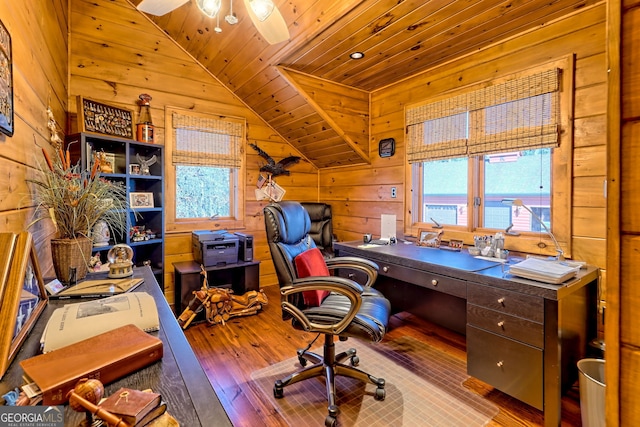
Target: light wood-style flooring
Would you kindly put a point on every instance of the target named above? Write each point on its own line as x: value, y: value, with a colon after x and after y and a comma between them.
x: 230, y: 353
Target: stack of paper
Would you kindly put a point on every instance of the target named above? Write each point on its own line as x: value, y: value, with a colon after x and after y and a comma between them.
x: 543, y: 271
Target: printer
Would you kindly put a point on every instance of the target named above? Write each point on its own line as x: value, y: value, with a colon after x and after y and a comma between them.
x: 212, y: 248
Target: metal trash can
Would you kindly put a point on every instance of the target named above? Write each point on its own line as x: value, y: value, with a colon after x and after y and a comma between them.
x: 592, y: 391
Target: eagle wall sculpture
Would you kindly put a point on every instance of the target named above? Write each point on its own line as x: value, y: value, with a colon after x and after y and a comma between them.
x: 272, y: 168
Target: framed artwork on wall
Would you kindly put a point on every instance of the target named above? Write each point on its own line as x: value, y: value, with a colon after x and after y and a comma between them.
x: 96, y: 117
x: 22, y: 293
x: 6, y: 82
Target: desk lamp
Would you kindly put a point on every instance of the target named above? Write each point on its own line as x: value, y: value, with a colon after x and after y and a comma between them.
x: 518, y: 202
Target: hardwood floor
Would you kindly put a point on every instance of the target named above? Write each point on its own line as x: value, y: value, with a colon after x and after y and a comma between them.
x: 229, y: 353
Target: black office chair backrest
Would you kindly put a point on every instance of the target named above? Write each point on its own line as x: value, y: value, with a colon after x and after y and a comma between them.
x: 287, y: 225
x: 321, y: 226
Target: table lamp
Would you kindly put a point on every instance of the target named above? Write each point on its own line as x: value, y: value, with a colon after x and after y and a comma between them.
x: 518, y: 202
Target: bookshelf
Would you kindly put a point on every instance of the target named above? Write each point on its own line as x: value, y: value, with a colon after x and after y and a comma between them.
x: 145, y: 192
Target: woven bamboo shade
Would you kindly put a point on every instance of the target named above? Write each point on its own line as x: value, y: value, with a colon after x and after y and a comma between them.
x: 205, y: 141
x: 519, y: 114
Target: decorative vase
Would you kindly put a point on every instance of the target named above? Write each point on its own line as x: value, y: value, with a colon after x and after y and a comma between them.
x: 101, y: 234
x: 70, y: 258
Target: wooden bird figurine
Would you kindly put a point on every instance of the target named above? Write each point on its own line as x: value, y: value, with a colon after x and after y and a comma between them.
x: 272, y: 168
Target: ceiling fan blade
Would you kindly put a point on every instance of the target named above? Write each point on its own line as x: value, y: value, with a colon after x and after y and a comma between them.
x: 159, y: 7
x: 274, y: 29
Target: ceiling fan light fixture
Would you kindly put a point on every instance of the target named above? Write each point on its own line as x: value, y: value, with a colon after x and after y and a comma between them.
x: 209, y: 7
x: 262, y: 8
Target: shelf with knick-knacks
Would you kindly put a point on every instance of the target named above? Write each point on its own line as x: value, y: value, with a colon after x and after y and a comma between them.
x: 139, y: 167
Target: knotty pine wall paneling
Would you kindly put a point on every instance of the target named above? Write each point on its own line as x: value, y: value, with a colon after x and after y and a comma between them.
x: 360, y: 194
x: 117, y: 54
x: 39, y: 44
x: 624, y: 315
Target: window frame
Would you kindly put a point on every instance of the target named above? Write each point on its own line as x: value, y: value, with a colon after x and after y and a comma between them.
x: 237, y: 187
x: 561, y: 176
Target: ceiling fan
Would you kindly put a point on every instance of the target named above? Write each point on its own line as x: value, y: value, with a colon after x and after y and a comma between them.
x: 264, y: 14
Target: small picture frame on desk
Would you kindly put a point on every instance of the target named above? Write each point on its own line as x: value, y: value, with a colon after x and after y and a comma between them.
x: 141, y: 200
x: 429, y: 238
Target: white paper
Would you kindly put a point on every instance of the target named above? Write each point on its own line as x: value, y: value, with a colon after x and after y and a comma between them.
x: 387, y: 226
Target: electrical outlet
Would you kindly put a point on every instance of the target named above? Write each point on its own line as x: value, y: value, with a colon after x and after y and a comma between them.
x: 393, y: 192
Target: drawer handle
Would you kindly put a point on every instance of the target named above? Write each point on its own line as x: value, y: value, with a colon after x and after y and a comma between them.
x: 501, y: 324
x: 385, y: 269
x: 500, y: 364
x: 434, y: 282
x: 501, y: 301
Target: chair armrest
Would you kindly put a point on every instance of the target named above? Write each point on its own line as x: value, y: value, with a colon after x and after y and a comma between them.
x: 350, y: 289
x: 369, y: 268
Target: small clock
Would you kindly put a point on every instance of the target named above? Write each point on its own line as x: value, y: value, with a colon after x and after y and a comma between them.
x: 387, y: 147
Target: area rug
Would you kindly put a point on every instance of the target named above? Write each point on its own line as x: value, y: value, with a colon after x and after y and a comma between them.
x: 423, y: 388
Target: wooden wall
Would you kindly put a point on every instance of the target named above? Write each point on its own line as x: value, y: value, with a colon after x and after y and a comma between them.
x: 624, y: 371
x: 117, y: 54
x: 38, y: 32
x: 360, y: 194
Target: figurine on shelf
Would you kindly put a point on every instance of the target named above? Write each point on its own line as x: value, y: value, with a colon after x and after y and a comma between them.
x: 145, y: 163
x: 104, y: 165
x: 95, y: 263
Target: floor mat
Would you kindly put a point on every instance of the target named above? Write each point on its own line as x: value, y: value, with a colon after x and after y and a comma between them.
x: 423, y: 388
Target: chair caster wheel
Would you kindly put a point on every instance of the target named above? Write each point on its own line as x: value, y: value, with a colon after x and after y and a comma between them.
x: 278, y: 390
x: 302, y: 361
x: 355, y: 361
x: 330, y: 421
x: 380, y: 394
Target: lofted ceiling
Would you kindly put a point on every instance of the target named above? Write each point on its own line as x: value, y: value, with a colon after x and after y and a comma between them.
x: 310, y: 91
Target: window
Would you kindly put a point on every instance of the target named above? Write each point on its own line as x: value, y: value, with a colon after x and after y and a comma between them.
x: 470, y: 152
x: 205, y: 171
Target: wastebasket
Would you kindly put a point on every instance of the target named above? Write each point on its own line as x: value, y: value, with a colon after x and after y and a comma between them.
x: 592, y: 390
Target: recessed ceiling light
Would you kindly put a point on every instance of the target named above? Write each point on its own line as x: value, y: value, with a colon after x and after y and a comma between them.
x: 357, y: 55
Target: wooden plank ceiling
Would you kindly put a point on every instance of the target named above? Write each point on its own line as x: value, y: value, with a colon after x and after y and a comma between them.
x: 310, y: 91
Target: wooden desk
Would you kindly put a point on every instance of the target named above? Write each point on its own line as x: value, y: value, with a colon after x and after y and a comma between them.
x: 523, y: 337
x: 178, y: 376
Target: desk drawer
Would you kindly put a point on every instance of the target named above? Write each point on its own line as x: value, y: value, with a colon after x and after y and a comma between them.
x: 436, y: 282
x: 506, y: 325
x: 514, y: 303
x: 508, y: 365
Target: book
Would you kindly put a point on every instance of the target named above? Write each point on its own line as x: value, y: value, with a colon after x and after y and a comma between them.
x: 107, y: 357
x: 99, y: 288
x: 78, y: 321
x: 133, y: 405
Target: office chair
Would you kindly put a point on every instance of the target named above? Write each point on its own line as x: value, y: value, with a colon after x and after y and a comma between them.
x: 316, y: 301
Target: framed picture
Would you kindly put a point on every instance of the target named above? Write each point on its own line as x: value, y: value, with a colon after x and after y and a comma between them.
x: 22, y: 293
x: 134, y: 169
x: 101, y: 118
x: 429, y: 238
x: 6, y: 82
x: 141, y: 200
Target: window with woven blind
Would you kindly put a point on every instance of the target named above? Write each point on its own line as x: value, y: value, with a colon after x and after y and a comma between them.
x: 470, y: 148
x: 205, y: 171
x: 515, y: 115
